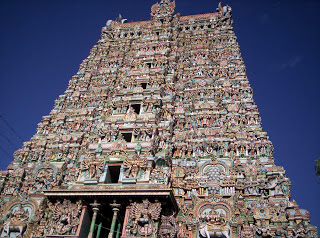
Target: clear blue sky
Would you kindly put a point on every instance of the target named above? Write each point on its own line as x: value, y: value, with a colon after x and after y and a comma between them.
x: 42, y: 44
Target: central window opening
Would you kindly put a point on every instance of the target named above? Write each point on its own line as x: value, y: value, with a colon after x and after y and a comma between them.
x: 136, y: 108
x: 127, y: 136
x: 114, y: 172
x: 144, y: 85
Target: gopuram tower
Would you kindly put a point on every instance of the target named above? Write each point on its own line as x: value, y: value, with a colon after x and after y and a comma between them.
x: 157, y: 135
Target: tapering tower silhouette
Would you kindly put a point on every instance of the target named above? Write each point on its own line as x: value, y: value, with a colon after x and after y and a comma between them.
x: 157, y: 135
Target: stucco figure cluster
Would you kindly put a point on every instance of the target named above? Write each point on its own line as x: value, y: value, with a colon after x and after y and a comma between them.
x: 157, y: 135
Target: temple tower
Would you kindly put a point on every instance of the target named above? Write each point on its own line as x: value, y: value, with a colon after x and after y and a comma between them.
x: 157, y: 135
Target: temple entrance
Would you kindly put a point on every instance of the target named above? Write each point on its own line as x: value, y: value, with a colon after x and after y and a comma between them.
x: 113, y: 211
x: 107, y: 220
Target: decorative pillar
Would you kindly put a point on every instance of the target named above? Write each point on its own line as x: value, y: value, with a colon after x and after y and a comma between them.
x: 95, y: 209
x: 126, y: 218
x: 118, y: 230
x: 99, y: 230
x: 115, y: 209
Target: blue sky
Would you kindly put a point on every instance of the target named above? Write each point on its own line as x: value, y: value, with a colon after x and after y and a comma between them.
x: 44, y: 42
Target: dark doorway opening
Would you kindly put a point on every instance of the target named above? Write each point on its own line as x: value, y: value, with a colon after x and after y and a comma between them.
x: 127, y: 136
x: 144, y: 85
x: 136, y: 108
x: 114, y: 172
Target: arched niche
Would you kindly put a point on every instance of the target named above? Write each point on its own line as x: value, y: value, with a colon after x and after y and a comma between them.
x: 209, y: 208
x: 222, y: 166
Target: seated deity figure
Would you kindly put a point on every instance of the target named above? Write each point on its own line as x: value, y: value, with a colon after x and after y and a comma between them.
x: 16, y: 221
x: 214, y: 224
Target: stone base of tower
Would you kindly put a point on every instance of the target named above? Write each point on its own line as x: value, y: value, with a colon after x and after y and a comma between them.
x: 119, y: 211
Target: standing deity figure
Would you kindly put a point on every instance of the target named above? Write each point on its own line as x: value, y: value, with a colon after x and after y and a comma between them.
x: 93, y: 166
x: 64, y: 218
x: 144, y: 216
x: 133, y: 165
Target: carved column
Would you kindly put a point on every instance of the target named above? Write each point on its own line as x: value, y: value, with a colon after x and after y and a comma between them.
x: 95, y: 208
x: 118, y: 230
x: 115, y: 209
x: 99, y: 230
x: 126, y: 218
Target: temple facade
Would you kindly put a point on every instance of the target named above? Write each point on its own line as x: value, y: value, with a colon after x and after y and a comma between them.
x: 157, y: 135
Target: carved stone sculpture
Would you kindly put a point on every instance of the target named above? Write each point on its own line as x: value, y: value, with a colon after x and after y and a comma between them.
x: 92, y: 168
x: 144, y: 215
x: 134, y: 165
x: 64, y: 218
